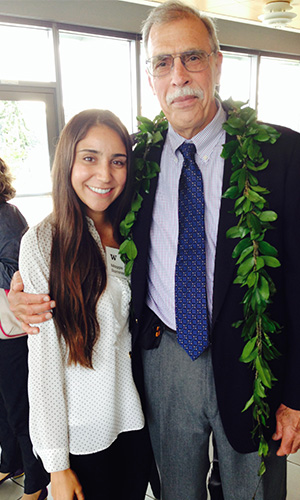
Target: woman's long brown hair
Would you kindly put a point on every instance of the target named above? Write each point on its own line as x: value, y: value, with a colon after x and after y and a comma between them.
x: 77, y: 270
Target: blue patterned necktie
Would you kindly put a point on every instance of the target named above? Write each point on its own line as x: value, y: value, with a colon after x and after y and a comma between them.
x: 190, y: 275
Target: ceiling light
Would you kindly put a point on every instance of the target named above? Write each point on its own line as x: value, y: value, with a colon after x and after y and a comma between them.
x: 277, y: 14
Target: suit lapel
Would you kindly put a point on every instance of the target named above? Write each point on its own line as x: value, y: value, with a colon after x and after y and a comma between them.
x: 224, y: 263
x: 141, y: 236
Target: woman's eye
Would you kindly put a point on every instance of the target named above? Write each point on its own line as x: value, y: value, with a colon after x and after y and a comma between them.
x: 119, y: 163
x: 88, y: 158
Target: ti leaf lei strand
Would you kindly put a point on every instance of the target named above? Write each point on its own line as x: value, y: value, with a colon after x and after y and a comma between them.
x: 253, y: 253
x: 150, y: 135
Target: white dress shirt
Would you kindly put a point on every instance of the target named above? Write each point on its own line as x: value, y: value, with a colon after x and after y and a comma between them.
x: 164, y: 229
x: 73, y: 408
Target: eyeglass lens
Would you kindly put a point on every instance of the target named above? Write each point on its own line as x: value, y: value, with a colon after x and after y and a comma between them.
x: 192, y: 61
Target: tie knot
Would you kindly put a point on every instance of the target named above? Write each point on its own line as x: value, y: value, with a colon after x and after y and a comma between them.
x: 188, y: 150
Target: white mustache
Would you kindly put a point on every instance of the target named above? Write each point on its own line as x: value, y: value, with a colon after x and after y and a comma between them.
x: 183, y: 92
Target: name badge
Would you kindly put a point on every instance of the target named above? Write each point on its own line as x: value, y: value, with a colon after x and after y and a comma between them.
x: 114, y: 265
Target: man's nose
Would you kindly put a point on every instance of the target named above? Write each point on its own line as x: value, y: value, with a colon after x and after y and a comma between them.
x: 180, y: 75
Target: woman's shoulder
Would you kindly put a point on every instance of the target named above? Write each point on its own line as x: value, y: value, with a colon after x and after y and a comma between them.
x: 39, y: 237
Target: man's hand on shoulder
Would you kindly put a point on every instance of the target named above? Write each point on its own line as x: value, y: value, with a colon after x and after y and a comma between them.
x: 288, y: 430
x: 27, y: 307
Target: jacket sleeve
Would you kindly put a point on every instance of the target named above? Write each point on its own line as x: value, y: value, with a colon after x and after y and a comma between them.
x: 12, y: 227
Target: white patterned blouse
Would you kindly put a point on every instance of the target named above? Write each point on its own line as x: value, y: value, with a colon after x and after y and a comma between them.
x: 72, y: 408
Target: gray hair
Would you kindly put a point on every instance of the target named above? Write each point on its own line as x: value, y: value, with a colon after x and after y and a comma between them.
x: 173, y: 10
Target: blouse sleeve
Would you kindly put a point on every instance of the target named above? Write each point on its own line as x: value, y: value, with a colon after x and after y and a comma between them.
x: 46, y: 384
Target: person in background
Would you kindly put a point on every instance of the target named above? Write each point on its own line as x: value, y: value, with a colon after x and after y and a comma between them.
x: 16, y: 447
x: 86, y: 418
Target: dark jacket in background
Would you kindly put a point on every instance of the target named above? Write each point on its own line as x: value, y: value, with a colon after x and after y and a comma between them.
x: 12, y: 227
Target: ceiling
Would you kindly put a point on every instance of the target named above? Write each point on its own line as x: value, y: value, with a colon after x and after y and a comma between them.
x: 243, y: 10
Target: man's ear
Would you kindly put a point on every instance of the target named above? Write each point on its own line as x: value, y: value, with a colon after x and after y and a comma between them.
x: 150, y: 80
x: 219, y: 60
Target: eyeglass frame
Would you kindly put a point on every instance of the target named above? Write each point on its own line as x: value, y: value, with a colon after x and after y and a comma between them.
x: 180, y: 54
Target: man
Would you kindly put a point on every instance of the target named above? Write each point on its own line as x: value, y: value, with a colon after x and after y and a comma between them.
x: 188, y: 398
x: 183, y: 405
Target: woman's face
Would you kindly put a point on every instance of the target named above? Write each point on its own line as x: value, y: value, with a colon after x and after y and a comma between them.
x: 99, y: 170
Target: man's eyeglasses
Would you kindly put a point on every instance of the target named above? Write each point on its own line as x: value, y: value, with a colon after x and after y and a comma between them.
x: 193, y: 60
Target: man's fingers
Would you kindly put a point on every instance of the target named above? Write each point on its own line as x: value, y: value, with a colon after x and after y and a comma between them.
x: 16, y: 283
x: 30, y: 314
x: 35, y: 318
x: 31, y: 330
x: 40, y: 301
x: 79, y: 493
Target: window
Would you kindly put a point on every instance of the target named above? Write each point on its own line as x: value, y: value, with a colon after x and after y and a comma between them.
x: 97, y: 73
x: 238, y: 77
x: 25, y: 128
x: 279, y: 80
x: 28, y: 54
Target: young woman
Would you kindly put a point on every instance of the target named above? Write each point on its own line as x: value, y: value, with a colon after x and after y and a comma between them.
x: 16, y: 448
x: 86, y: 420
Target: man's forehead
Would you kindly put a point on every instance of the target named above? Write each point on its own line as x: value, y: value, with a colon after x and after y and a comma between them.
x: 164, y: 39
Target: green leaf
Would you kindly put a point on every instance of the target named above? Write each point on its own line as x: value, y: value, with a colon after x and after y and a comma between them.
x: 262, y: 136
x: 268, y: 216
x: 232, y: 192
x: 242, y: 180
x: 267, y: 249
x: 260, y: 167
x: 229, y: 148
x: 157, y: 137
x: 154, y: 166
x: 259, y: 388
x: 239, y: 202
x: 240, y: 247
x: 259, y: 263
x: 124, y: 230
x: 253, y: 196
x: 239, y: 280
x: 262, y: 469
x: 271, y: 261
x: 246, y: 267
x: 249, y: 352
x: 131, y: 250
x: 248, y: 404
x: 130, y: 218
x: 236, y: 232
x: 263, y: 372
x: 264, y: 288
x: 137, y: 203
x: 236, y: 122
x: 128, y: 268
x: 245, y: 254
x: 230, y: 130
x: 252, y: 279
x: 253, y: 223
x: 253, y: 150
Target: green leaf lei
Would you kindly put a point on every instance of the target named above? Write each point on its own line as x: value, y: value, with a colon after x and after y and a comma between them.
x: 150, y: 135
x: 253, y: 253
